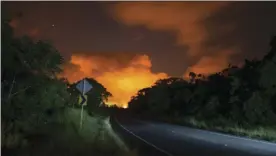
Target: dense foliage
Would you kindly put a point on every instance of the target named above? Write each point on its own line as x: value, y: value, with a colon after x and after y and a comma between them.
x: 244, y: 95
x: 96, y: 97
x: 33, y: 98
x: 31, y: 94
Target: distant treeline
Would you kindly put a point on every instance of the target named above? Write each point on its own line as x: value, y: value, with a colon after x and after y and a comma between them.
x: 242, y: 95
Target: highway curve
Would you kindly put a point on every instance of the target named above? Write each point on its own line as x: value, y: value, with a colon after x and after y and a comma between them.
x: 174, y: 140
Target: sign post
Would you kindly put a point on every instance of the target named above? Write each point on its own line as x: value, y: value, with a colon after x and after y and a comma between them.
x: 83, y: 86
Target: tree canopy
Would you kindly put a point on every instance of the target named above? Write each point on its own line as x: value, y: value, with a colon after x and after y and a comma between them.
x: 239, y: 94
x: 32, y: 95
x: 97, y: 96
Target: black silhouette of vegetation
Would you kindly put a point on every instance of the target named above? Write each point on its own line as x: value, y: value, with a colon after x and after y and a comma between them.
x: 34, y: 101
x: 239, y: 100
x: 38, y: 114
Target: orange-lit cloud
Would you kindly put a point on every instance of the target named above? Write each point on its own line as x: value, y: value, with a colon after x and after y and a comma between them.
x: 123, y: 81
x: 210, y: 64
x: 186, y: 19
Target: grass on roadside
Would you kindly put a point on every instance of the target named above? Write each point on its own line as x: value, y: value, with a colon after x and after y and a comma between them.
x: 66, y: 139
x: 220, y: 125
x: 95, y: 135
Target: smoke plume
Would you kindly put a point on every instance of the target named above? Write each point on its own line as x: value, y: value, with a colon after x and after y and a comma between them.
x: 122, y: 76
x: 186, y: 19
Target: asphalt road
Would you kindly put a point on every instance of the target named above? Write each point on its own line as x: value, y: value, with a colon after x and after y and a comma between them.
x: 183, y: 141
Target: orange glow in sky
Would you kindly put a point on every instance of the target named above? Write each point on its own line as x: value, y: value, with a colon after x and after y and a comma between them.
x: 122, y: 82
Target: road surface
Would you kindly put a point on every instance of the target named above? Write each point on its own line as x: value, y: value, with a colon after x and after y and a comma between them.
x: 176, y: 140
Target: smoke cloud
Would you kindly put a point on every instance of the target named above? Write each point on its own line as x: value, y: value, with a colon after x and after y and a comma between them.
x: 186, y: 19
x: 123, y: 77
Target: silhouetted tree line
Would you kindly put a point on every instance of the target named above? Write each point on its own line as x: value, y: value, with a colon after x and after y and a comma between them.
x: 33, y: 98
x: 97, y: 96
x: 242, y: 95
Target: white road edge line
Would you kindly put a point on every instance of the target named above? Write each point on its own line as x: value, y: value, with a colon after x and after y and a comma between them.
x: 117, y: 139
x: 237, y: 137
x: 159, y: 149
x: 232, y: 136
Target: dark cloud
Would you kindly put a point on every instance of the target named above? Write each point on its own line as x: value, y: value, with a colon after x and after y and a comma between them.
x: 128, y: 46
x: 88, y: 28
x: 247, y: 26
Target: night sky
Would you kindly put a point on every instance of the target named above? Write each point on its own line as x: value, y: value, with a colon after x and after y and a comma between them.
x: 165, y: 38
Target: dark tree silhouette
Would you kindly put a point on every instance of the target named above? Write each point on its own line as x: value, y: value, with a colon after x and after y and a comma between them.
x: 244, y: 95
